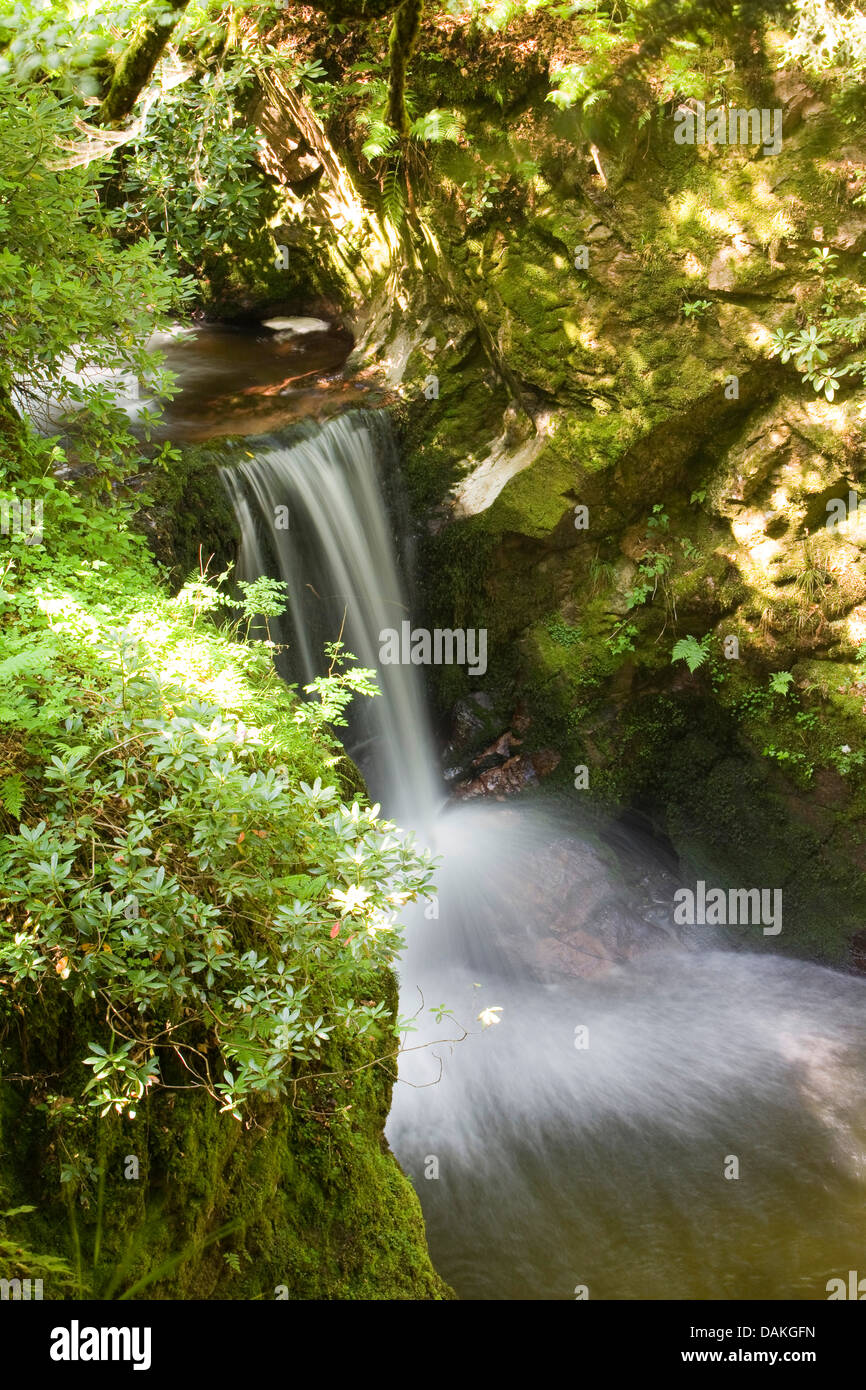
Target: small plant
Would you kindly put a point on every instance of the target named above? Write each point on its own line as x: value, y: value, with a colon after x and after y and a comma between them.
x: 602, y: 573
x: 696, y: 308
x: 622, y: 639
x: 780, y: 682
x: 822, y: 259
x: 480, y: 199
x: 826, y: 379
x: 845, y: 760
x: 786, y: 756
x: 812, y: 578
x: 653, y: 567
x: 563, y: 634
x: 859, y: 677
x: 440, y: 1011
x: 753, y: 703
x: 807, y: 349
x: 692, y: 651
x: 17, y: 1262
x: 335, y: 690
x: 233, y: 1259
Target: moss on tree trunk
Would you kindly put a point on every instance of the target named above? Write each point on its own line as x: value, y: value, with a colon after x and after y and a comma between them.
x: 136, y: 65
x: 401, y: 45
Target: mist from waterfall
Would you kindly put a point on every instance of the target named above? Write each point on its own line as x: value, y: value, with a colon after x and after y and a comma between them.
x: 580, y: 1133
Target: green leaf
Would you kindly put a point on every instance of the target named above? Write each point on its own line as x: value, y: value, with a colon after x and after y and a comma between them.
x: 780, y: 681
x: 691, y: 651
x: 12, y: 794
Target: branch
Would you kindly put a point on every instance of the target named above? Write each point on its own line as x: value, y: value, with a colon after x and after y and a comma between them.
x: 136, y: 65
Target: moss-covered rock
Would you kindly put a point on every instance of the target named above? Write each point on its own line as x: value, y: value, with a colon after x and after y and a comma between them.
x: 303, y: 1200
x: 622, y: 304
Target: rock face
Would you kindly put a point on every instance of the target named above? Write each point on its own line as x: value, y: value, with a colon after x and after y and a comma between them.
x: 306, y: 1198
x: 621, y: 452
x: 618, y: 458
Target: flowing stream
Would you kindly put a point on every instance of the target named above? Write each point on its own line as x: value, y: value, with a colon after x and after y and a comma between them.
x: 588, y: 1139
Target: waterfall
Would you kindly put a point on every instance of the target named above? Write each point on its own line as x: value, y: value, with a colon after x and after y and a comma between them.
x: 311, y: 510
x: 610, y: 1106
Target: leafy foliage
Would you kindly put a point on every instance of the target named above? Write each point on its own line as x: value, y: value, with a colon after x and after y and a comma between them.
x: 176, y: 859
x: 61, y: 252
x: 192, y: 179
x: 828, y: 35
x: 843, y: 325
x: 693, y: 651
x: 780, y: 681
x: 172, y: 867
x: 17, y: 1262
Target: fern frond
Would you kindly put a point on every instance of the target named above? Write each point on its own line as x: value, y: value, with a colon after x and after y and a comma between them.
x: 12, y: 794
x: 438, y: 125
x: 380, y: 140
x: 393, y: 198
x: 691, y: 651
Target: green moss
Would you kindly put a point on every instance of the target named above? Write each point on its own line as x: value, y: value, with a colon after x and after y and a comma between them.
x: 305, y: 1196
x: 190, y: 513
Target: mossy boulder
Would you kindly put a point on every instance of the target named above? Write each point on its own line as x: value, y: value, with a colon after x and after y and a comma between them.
x: 302, y: 1200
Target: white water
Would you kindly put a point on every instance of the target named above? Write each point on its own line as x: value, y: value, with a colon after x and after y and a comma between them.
x: 561, y: 1166
x: 297, y: 325
x: 338, y: 560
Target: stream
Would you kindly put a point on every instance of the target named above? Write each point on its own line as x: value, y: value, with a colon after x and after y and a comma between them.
x: 616, y: 1107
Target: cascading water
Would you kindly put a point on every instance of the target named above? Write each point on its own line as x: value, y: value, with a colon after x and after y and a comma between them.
x: 669, y: 1120
x: 332, y: 546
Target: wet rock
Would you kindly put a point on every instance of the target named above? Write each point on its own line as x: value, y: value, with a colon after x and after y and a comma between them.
x: 592, y: 926
x: 510, y: 777
x: 521, y: 719
x: 581, y: 955
x: 467, y: 724
x: 517, y: 426
x: 858, y: 952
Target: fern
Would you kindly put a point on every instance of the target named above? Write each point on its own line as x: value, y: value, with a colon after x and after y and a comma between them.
x: 438, y: 125
x: 779, y: 682
x: 393, y: 198
x: 691, y: 651
x: 380, y: 140
x: 12, y: 794
x: 27, y: 1264
x: 31, y: 659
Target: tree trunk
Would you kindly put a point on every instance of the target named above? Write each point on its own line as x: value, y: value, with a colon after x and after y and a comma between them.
x: 401, y: 45
x: 136, y: 65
